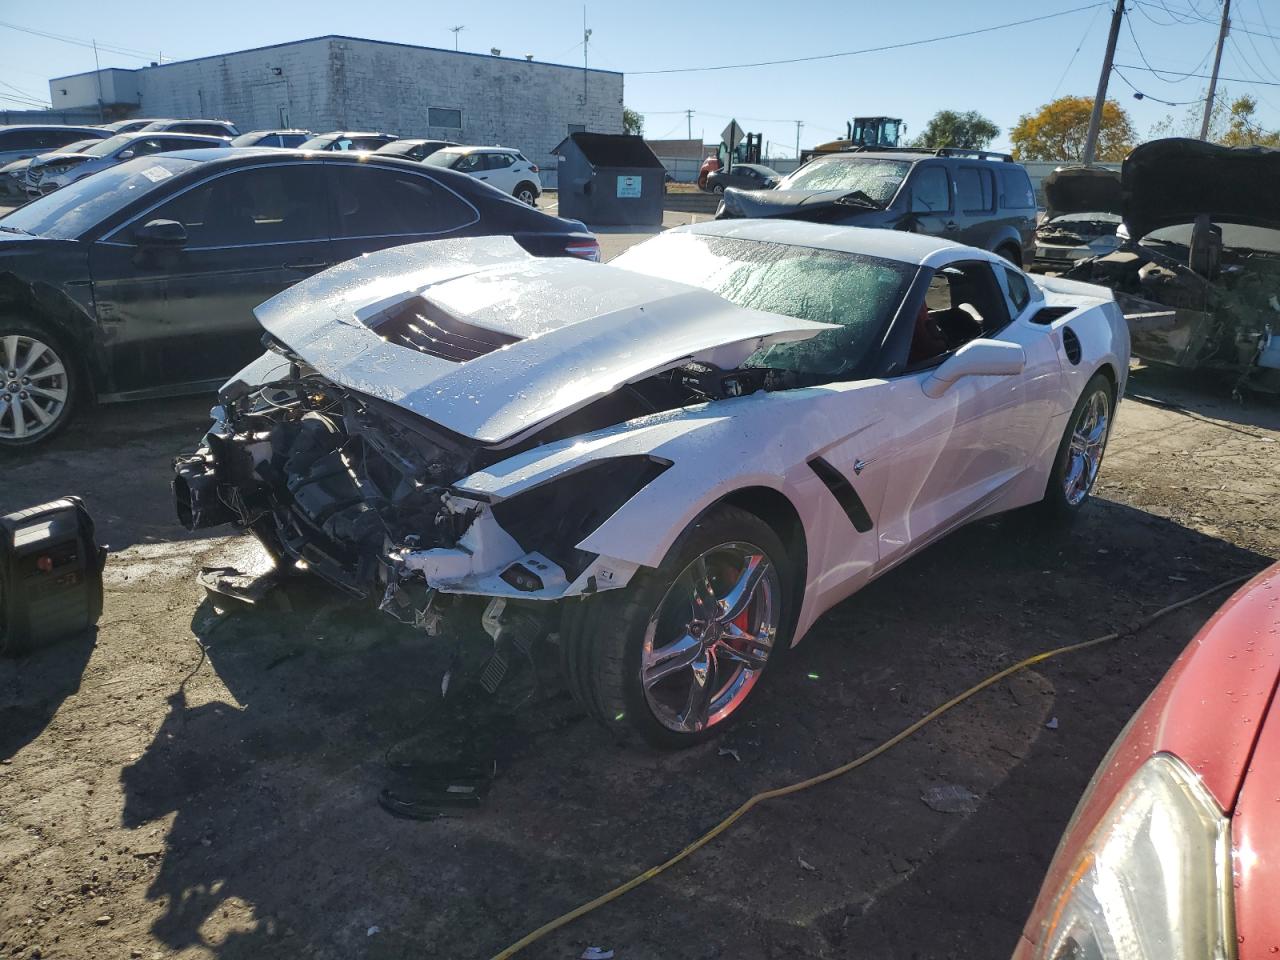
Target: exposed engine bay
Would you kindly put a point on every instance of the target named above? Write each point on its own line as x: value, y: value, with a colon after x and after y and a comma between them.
x: 360, y: 493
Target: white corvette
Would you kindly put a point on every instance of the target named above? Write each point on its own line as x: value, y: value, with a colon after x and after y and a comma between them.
x: 670, y: 465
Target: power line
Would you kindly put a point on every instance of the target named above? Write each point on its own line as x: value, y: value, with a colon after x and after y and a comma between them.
x: 1147, y: 96
x: 880, y: 49
x: 1083, y: 38
x: 1137, y: 46
x: 109, y: 48
x: 25, y: 93
x: 1235, y: 23
x: 1203, y: 76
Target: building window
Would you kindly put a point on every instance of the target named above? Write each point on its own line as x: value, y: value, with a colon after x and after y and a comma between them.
x: 444, y: 117
x: 577, y: 128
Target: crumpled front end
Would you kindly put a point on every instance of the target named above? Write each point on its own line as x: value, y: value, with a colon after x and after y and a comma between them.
x: 362, y: 494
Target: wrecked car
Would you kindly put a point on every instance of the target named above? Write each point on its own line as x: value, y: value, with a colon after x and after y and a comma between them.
x: 669, y: 466
x: 969, y: 196
x: 1198, y: 272
x: 1082, y: 215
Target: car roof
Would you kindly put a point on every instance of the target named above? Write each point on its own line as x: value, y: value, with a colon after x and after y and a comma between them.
x: 914, y: 248
x: 472, y: 148
x: 236, y: 156
x: 49, y: 126
x: 147, y: 134
x: 351, y: 133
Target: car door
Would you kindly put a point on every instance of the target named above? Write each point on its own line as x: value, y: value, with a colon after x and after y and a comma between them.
x: 931, y: 204
x: 184, y: 314
x: 500, y: 168
x: 975, y: 205
x: 386, y: 206
x: 958, y: 453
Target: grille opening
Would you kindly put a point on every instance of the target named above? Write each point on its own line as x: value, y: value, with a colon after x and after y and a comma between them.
x: 428, y: 328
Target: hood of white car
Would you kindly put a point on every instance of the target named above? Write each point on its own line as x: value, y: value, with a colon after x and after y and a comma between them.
x: 485, y: 340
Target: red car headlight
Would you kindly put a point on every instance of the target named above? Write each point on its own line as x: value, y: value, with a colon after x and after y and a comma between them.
x: 1153, y: 880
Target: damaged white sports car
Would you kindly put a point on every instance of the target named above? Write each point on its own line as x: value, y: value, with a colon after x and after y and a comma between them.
x: 670, y: 465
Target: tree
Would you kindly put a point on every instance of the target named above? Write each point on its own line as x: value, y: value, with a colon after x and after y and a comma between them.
x: 1231, y: 122
x: 948, y: 128
x: 1057, y: 131
x: 632, y: 122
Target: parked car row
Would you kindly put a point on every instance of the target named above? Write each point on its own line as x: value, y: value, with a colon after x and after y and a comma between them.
x: 36, y: 160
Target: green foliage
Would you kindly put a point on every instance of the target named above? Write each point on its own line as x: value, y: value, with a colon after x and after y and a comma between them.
x: 950, y: 128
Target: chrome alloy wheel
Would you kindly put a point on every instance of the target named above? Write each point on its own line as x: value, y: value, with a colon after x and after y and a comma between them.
x: 710, y: 637
x: 1084, y: 453
x: 34, y: 388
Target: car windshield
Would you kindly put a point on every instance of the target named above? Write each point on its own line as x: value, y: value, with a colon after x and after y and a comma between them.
x: 444, y: 158
x: 857, y: 293
x: 67, y: 213
x: 108, y: 146
x: 399, y: 148
x: 878, y: 179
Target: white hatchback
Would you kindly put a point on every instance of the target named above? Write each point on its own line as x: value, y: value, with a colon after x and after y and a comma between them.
x: 501, y: 167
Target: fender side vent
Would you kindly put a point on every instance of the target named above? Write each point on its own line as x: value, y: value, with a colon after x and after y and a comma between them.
x: 428, y: 328
x: 1071, y: 345
x: 844, y: 493
x: 1046, y: 315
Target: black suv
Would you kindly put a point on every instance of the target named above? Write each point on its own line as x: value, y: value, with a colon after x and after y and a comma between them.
x: 976, y: 198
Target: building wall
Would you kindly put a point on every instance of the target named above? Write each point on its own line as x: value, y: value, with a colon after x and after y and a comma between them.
x: 335, y: 83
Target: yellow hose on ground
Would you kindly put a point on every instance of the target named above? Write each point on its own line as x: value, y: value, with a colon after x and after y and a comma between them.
x: 731, y: 819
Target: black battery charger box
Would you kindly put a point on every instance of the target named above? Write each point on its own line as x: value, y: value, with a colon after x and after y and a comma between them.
x: 50, y: 575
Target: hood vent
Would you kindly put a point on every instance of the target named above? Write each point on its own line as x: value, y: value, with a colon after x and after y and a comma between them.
x: 428, y: 328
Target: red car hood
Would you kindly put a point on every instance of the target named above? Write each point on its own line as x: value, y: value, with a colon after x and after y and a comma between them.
x: 1212, y: 710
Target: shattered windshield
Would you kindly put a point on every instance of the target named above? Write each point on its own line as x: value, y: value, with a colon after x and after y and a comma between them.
x: 69, y: 212
x: 878, y: 179
x: 858, y: 293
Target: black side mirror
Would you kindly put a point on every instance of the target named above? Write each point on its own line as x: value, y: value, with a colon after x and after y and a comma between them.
x: 161, y: 233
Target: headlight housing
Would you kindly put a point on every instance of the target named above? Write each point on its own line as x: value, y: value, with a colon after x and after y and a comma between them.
x: 1153, y: 880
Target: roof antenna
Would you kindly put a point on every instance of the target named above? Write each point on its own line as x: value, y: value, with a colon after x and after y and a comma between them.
x: 455, y: 31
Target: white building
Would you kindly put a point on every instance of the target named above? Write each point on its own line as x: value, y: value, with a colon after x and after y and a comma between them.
x: 345, y: 83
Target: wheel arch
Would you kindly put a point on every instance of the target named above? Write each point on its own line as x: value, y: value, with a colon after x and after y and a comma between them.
x: 51, y: 310
x: 776, y: 509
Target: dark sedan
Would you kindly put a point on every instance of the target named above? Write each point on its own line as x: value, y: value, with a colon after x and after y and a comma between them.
x: 744, y: 176
x: 141, y: 280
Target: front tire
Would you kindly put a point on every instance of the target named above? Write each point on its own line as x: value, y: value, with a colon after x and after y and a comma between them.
x: 1079, y: 457
x: 675, y: 656
x: 718, y: 189
x: 39, y: 385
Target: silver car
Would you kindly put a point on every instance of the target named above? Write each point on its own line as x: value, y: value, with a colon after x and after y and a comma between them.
x: 15, y: 179
x: 68, y: 168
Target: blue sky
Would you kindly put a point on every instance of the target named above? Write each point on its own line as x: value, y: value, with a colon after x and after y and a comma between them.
x: 1003, y: 73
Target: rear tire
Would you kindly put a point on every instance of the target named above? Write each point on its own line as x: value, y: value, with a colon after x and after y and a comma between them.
x: 39, y: 384
x: 527, y: 194
x: 718, y: 188
x: 1079, y: 457
x: 1011, y: 253
x: 662, y: 659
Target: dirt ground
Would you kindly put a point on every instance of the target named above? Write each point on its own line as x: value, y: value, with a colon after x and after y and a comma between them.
x: 196, y: 783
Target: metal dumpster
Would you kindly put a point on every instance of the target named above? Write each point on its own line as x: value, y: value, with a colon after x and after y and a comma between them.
x: 609, y: 178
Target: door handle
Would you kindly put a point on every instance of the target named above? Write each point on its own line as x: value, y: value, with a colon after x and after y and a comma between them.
x: 305, y: 265
x: 952, y: 225
x: 482, y: 178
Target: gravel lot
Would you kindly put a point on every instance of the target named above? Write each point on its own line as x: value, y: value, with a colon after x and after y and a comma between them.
x: 198, y: 783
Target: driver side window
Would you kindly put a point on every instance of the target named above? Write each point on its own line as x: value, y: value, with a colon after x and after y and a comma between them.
x: 930, y: 190
x: 963, y: 302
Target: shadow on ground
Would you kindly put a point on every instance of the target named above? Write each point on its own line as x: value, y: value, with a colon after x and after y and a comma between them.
x: 277, y: 847
x: 33, y: 686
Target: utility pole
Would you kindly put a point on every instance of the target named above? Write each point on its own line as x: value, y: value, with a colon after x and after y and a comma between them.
x: 688, y: 115
x: 455, y: 31
x: 1213, y: 77
x: 586, y: 38
x: 1095, y: 118
x: 799, y: 124
x: 97, y: 72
